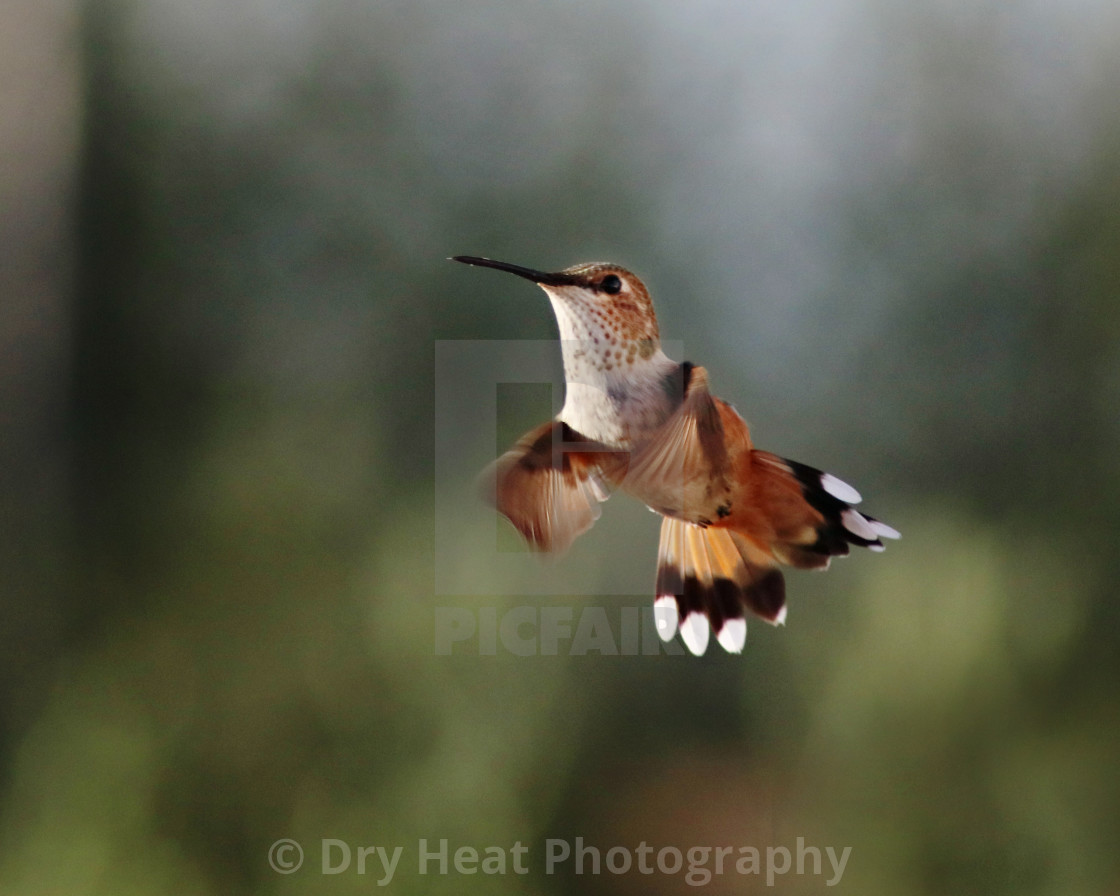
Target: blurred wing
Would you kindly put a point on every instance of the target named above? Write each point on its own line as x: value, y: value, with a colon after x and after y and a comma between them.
x: 550, y: 484
x: 682, y: 471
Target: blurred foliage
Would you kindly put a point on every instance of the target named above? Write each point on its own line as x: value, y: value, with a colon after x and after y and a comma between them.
x: 890, y: 234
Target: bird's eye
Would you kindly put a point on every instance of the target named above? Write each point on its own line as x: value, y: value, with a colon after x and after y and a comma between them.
x: 611, y: 285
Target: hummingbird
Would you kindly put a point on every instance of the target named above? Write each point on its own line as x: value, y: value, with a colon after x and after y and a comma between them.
x: 637, y: 421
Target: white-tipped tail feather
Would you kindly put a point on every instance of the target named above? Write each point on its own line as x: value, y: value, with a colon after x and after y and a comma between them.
x: 857, y: 524
x: 695, y: 632
x: 883, y: 530
x: 839, y: 489
x: 665, y: 615
x: 733, y: 635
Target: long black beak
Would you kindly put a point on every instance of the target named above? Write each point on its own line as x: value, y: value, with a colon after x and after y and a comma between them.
x: 544, y: 279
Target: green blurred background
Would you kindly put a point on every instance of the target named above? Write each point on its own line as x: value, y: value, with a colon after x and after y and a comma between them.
x: 890, y: 231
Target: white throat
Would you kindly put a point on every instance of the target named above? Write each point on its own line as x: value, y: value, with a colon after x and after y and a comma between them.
x: 611, y: 395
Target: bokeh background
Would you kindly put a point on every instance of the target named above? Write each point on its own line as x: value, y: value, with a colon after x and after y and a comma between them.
x: 891, y: 232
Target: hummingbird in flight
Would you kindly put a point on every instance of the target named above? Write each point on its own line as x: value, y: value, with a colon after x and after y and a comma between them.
x: 635, y: 420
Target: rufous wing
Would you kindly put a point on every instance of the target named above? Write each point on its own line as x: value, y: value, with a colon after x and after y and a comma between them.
x: 682, y: 469
x: 550, y: 484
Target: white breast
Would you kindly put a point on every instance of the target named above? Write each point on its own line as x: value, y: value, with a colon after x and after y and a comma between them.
x: 620, y: 406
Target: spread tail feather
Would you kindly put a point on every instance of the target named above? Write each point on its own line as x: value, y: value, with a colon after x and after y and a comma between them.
x: 800, y: 517
x: 813, y: 517
x: 711, y: 575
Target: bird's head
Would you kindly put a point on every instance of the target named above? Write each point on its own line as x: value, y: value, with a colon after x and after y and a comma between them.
x: 604, y: 312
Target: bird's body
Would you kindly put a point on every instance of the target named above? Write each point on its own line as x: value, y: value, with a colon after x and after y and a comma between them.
x: 636, y: 420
